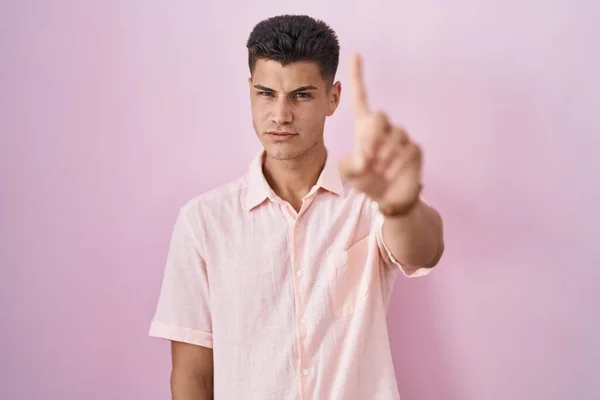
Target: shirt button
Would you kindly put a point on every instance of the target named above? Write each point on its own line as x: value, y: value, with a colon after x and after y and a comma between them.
x: 300, y: 272
x: 303, y: 321
x: 305, y: 372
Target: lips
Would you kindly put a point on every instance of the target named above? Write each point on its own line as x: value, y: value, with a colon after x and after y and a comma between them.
x: 277, y: 133
x: 280, y: 136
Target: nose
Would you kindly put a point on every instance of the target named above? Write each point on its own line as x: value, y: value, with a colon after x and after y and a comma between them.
x: 282, y: 112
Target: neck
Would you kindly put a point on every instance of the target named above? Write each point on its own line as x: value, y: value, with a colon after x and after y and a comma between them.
x: 292, y: 179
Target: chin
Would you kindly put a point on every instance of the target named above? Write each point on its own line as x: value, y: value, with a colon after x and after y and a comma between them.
x: 282, y: 153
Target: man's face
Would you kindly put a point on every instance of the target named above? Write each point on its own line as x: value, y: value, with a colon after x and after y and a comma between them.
x: 289, y: 106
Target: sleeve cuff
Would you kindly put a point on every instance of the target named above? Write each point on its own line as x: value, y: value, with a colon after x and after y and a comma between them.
x: 179, y: 334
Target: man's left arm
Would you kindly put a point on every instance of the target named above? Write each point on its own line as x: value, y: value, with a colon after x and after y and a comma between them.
x: 386, y: 165
x: 416, y: 238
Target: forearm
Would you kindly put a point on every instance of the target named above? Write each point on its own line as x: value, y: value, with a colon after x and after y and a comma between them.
x: 191, y: 387
x: 415, y: 239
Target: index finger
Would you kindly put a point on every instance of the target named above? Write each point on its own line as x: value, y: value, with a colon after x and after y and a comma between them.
x: 357, y: 86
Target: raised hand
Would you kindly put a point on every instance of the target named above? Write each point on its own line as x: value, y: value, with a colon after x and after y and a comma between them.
x: 385, y: 163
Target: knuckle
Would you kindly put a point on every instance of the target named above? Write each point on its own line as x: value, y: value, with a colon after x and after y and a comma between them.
x: 399, y: 134
x: 378, y: 121
x: 380, y: 117
x: 416, y: 151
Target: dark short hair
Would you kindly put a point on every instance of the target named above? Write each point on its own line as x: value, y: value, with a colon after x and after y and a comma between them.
x: 292, y: 38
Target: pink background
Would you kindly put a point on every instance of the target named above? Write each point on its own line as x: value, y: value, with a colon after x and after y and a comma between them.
x: 113, y: 113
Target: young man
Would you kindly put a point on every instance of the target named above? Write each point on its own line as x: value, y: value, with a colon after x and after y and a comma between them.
x: 277, y: 284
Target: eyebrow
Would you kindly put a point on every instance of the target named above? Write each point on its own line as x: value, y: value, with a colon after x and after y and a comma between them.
x: 300, y: 89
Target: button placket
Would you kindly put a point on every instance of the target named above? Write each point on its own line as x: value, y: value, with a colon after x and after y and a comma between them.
x: 299, y: 306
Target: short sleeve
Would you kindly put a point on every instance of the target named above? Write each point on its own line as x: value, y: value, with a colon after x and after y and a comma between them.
x: 386, y: 254
x: 183, y: 310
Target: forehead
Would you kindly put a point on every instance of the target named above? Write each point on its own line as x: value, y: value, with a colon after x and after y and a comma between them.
x: 288, y: 77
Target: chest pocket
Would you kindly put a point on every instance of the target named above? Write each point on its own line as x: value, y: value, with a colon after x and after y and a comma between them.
x: 351, y: 278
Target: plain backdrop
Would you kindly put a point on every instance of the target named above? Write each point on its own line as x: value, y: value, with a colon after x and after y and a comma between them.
x: 114, y: 113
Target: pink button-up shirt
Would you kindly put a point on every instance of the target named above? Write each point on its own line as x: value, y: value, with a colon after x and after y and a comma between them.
x: 293, y: 304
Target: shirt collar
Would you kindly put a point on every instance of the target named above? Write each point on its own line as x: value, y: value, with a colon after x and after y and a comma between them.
x: 259, y: 190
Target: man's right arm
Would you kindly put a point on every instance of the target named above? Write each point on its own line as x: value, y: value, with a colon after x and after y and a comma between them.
x: 183, y: 313
x: 192, y: 372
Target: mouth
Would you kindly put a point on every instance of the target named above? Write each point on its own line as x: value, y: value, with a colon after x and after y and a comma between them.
x: 280, y: 136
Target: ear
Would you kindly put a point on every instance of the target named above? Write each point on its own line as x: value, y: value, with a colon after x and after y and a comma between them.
x: 335, y: 92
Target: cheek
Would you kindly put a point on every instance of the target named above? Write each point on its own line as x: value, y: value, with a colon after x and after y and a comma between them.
x: 311, y: 119
x: 312, y: 112
x: 259, y: 110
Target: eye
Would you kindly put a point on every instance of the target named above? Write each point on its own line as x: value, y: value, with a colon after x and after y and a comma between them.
x: 266, y: 94
x: 302, y: 95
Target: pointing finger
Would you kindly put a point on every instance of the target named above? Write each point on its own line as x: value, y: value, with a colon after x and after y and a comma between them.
x: 357, y: 87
